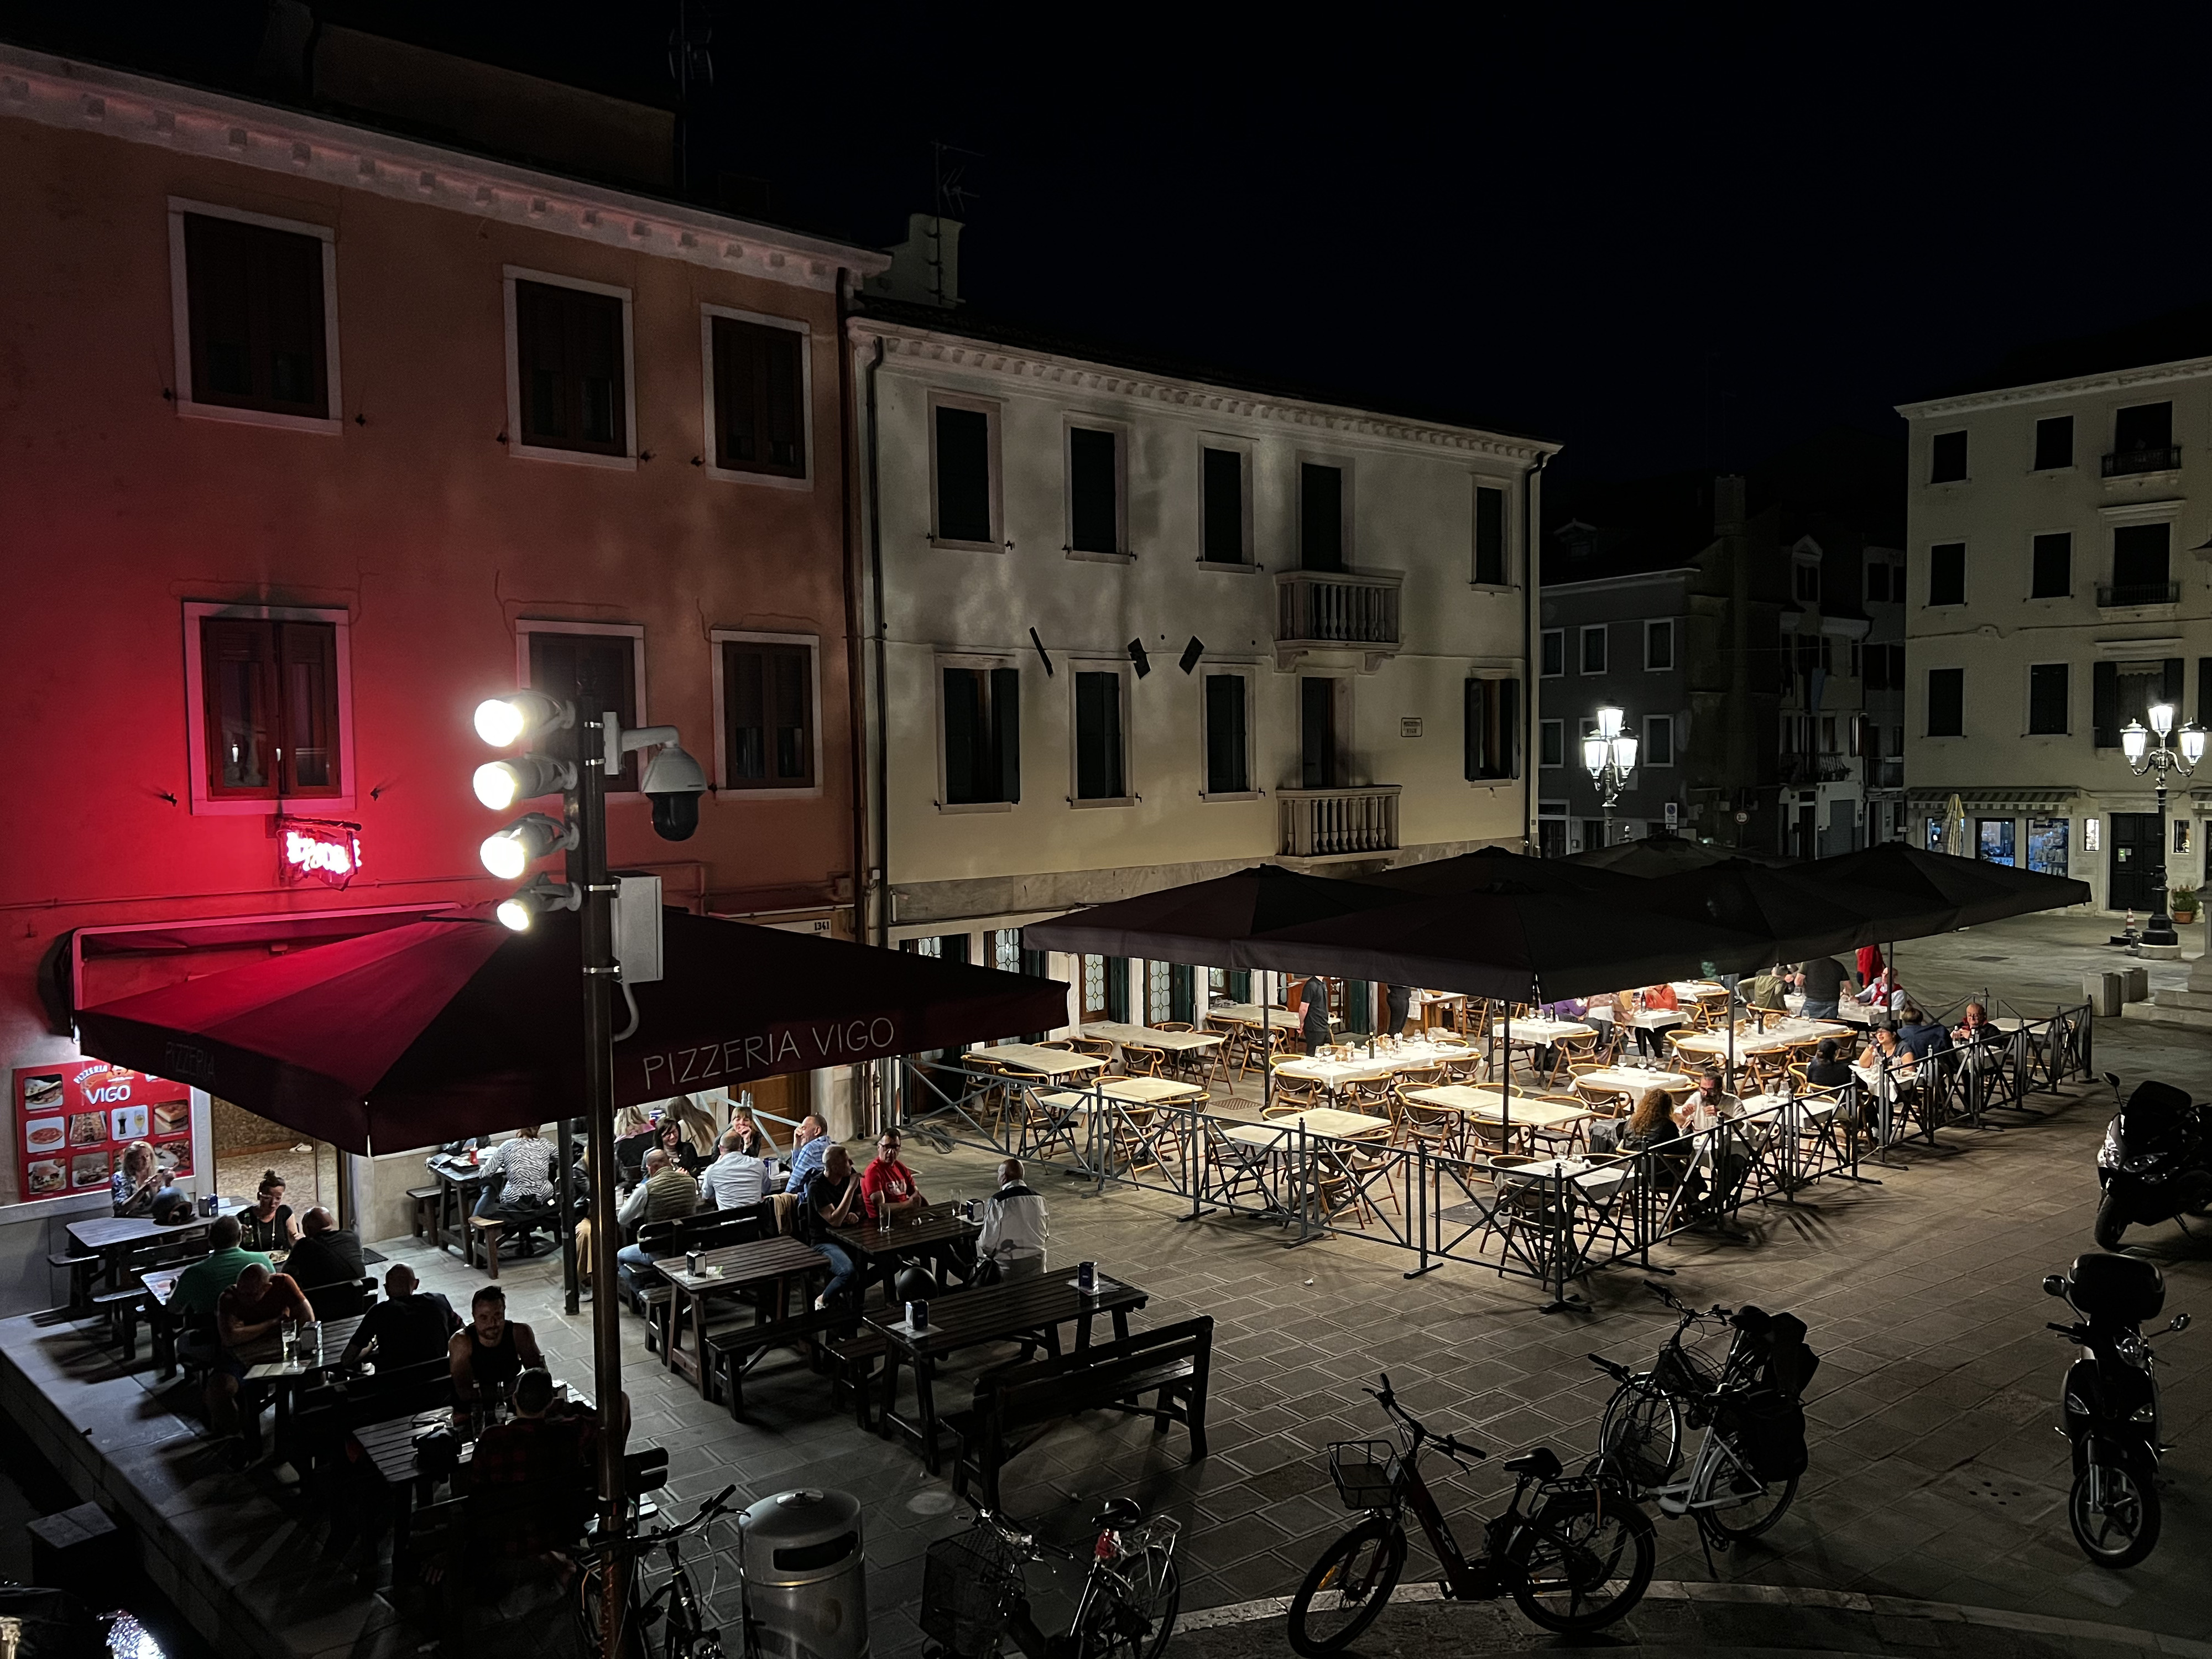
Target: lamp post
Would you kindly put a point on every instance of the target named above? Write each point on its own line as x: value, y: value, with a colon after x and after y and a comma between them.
x: 2135, y: 745
x: 1609, y: 756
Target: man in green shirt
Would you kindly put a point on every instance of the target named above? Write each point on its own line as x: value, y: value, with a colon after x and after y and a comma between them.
x: 198, y: 1287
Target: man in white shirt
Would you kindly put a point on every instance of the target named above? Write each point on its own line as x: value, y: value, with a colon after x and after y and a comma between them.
x: 737, y: 1180
x: 1014, y: 1228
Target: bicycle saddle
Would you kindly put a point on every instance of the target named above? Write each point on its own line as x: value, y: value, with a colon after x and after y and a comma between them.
x: 1119, y: 1512
x: 1542, y: 1463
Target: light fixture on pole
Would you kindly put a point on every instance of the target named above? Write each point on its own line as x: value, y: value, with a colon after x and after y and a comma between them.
x: 1609, y: 757
x: 673, y: 782
x: 2142, y: 758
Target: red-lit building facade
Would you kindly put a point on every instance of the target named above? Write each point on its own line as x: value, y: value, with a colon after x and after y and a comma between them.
x: 311, y: 437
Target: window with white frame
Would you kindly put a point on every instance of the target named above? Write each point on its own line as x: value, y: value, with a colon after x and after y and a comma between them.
x: 253, y: 304
x: 1551, y: 651
x: 759, y: 379
x: 1100, y: 757
x: 1224, y: 468
x: 571, y: 394
x: 1324, y: 514
x: 1097, y: 514
x: 567, y: 659
x: 1551, y: 743
x: 964, y: 489
x: 1658, y: 740
x: 1226, y: 733
x: 1491, y: 566
x: 979, y: 732
x: 1593, y: 649
x: 767, y: 697
x: 271, y: 688
x: 1658, y: 645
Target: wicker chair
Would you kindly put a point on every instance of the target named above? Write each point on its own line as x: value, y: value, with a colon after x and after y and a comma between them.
x: 1293, y: 1094
x: 1138, y: 1060
x: 1443, y: 1130
x: 1097, y: 1048
x: 1373, y: 1098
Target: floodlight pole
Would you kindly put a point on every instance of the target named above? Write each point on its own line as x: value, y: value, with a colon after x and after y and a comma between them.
x: 587, y: 869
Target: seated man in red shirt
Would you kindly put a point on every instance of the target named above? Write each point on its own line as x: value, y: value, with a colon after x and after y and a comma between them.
x: 249, y: 1310
x: 887, y: 1186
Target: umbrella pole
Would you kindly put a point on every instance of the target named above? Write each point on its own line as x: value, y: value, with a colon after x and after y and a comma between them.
x: 566, y: 1129
x: 1267, y: 1039
x: 588, y: 869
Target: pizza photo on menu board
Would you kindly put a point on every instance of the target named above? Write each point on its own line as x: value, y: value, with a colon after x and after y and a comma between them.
x: 45, y: 1135
x: 89, y: 1129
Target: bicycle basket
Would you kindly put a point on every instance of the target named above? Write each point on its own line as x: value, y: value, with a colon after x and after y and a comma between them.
x: 1365, y: 1472
x: 964, y: 1579
x: 1680, y: 1370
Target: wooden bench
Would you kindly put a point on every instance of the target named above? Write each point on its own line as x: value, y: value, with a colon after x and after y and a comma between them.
x: 484, y: 1230
x: 121, y: 1309
x: 426, y: 1200
x: 1015, y: 1404
x: 856, y: 1357
x: 729, y: 1351
x: 82, y: 1270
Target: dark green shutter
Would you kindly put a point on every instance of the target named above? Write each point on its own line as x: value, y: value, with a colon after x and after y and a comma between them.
x: 1471, y: 729
x: 1509, y: 727
x: 1117, y: 989
x: 1358, y: 1006
x: 1006, y: 718
x: 2170, y: 692
x: 1227, y: 772
x: 960, y: 721
x: 1240, y: 985
x: 2204, y: 692
x: 1182, y: 997
x: 2104, y: 705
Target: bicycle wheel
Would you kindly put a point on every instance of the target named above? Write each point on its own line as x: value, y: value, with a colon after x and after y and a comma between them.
x: 1641, y: 1434
x: 1347, y: 1588
x: 1582, y: 1562
x: 1742, y: 1505
x: 2119, y: 1526
x: 1138, y: 1627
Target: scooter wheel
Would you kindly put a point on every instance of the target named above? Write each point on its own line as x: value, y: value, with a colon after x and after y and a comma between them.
x: 2119, y: 1526
x: 2111, y: 1222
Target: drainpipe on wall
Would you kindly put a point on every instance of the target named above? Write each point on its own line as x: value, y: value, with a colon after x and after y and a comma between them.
x: 880, y: 759
x: 1533, y: 682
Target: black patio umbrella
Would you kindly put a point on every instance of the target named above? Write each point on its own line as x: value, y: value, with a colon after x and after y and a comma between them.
x: 1797, y: 915
x: 1489, y: 866
x: 1973, y: 890
x: 1667, y: 855
x: 1201, y: 921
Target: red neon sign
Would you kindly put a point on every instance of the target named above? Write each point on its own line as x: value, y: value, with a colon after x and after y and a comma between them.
x: 317, y: 849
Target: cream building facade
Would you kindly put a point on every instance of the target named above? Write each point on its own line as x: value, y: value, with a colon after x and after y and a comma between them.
x: 2057, y: 585
x: 1123, y: 627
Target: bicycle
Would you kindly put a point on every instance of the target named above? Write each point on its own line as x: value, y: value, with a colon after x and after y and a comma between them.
x: 1640, y: 1438
x: 1578, y: 1560
x: 974, y: 1597
x: 685, y: 1634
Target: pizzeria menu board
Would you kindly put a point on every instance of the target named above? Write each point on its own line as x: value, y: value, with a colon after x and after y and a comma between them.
x: 76, y: 1116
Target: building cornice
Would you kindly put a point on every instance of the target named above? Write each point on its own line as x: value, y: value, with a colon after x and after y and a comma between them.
x: 973, y: 355
x: 60, y: 92
x: 2118, y: 379
x: 1640, y: 579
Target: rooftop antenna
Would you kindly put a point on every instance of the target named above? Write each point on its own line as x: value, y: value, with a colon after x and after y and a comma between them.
x: 691, y: 61
x: 952, y: 194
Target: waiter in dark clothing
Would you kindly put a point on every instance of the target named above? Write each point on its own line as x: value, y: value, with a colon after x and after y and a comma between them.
x: 1313, y: 1022
x: 1398, y: 1005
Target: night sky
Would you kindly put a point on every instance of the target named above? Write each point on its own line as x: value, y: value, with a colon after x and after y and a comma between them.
x: 1666, y: 236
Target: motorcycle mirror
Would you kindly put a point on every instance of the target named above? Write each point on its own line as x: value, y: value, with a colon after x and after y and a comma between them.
x: 2054, y: 1284
x: 2180, y: 1323
x: 2112, y: 1078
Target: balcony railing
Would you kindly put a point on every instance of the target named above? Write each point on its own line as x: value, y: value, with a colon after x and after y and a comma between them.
x: 2122, y: 462
x: 2120, y: 595
x: 1814, y: 769
x: 1336, y: 610
x: 1320, y: 824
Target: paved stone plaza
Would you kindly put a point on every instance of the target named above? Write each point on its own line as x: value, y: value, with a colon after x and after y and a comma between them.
x: 1936, y: 1476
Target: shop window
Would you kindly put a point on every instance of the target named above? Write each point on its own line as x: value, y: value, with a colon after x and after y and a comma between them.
x: 759, y: 377
x: 595, y: 667
x: 269, y: 708
x: 2046, y: 846
x: 572, y: 367
x: 255, y: 329
x: 1993, y: 840
x: 768, y: 730
x: 982, y: 735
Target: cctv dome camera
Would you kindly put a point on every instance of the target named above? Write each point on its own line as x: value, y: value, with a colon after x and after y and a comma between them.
x: 673, y: 783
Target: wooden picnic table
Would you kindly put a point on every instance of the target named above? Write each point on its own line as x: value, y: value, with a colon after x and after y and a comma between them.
x: 1036, y: 1305
x: 115, y: 1238
x: 459, y: 1182
x: 389, y: 1447
x: 265, y: 1362
x: 727, y: 1272
x: 934, y: 1233
x: 1046, y: 1062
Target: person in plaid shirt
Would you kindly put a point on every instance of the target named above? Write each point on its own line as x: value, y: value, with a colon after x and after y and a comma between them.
x: 537, y: 1470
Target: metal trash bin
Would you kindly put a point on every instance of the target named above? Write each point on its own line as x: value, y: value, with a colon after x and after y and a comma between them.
x: 807, y: 1584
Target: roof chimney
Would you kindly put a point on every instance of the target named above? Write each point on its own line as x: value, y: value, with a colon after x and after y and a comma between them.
x: 924, y: 269
x: 1728, y: 504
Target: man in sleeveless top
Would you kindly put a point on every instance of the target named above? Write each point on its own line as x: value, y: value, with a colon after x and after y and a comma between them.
x: 489, y: 1353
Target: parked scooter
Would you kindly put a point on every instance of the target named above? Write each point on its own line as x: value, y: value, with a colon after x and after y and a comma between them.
x: 2155, y: 1164
x: 2111, y: 1405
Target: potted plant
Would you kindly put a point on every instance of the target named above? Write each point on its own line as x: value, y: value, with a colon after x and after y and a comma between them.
x: 2182, y: 903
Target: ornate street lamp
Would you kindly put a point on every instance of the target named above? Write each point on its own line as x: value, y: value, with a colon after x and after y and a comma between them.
x: 1609, y: 756
x: 2134, y: 744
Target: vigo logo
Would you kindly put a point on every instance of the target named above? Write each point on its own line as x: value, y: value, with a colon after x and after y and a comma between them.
x: 786, y: 1050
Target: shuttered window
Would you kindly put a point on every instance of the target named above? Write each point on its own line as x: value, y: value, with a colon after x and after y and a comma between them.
x: 2046, y: 699
x: 1947, y: 573
x: 963, y: 475
x: 254, y: 305
x: 2052, y: 575
x: 982, y: 735
x: 760, y: 418
x: 1947, y: 696
x: 768, y: 715
x: 570, y: 361
x: 1492, y: 729
x: 1098, y: 757
x: 1228, y: 767
x: 270, y: 705
x: 1490, y: 535
x: 1320, y: 517
x: 1222, y: 481
x: 597, y: 672
x: 1094, y: 490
